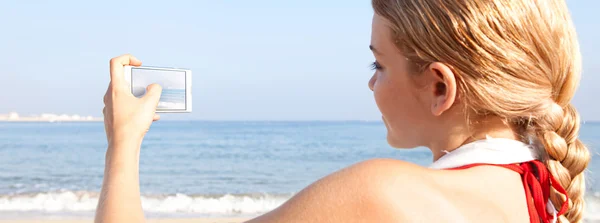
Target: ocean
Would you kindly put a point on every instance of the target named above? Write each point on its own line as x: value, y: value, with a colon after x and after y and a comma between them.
x: 172, y: 99
x: 199, y: 168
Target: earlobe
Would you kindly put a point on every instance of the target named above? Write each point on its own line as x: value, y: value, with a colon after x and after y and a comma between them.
x: 444, y: 88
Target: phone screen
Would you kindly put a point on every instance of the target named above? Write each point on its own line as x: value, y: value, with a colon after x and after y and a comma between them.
x: 173, y: 83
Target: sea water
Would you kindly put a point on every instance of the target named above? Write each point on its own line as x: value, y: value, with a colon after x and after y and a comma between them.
x: 199, y: 168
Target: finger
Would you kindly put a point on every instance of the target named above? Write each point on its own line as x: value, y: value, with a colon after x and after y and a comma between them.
x: 153, y: 93
x: 116, y: 67
x: 156, y: 118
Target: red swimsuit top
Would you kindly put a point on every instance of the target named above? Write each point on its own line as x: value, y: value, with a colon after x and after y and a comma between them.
x: 537, y: 181
x: 516, y: 156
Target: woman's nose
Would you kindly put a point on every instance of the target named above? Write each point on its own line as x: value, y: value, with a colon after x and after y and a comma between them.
x: 372, y: 81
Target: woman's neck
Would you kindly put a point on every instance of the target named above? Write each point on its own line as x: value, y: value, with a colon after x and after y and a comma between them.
x: 492, y: 126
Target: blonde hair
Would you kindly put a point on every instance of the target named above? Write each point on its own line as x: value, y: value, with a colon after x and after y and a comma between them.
x: 516, y: 59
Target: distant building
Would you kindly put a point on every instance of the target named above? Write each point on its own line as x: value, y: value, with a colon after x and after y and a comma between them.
x: 13, y: 116
x: 48, y: 117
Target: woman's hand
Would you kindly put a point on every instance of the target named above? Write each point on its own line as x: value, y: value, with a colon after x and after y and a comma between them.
x: 126, y: 121
x: 126, y: 117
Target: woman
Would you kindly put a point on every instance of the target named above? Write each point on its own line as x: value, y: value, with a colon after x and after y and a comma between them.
x: 485, y: 85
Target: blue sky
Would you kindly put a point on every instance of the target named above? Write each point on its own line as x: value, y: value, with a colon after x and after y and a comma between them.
x: 252, y: 60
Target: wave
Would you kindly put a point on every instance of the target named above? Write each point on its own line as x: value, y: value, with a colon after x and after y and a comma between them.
x: 70, y: 201
x: 205, y: 205
x: 171, y: 105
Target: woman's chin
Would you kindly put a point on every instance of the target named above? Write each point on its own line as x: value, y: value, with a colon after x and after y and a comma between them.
x: 399, y: 143
x: 393, y: 142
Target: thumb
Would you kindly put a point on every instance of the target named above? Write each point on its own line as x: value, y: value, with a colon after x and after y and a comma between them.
x: 153, y: 93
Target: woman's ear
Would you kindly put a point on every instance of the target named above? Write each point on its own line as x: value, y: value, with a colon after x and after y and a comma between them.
x: 443, y: 87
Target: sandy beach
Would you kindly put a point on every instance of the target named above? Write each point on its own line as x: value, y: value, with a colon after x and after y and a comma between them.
x: 166, y: 220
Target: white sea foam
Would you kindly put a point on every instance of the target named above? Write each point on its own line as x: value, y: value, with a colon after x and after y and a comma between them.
x: 69, y: 201
x: 225, y: 205
x: 171, y: 105
x: 50, y: 202
x: 592, y: 208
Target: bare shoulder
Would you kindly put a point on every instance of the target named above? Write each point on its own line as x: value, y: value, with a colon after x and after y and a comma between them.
x: 387, y: 190
x: 378, y: 190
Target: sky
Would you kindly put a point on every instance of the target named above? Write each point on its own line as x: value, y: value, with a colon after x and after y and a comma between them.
x: 251, y: 60
x: 165, y: 78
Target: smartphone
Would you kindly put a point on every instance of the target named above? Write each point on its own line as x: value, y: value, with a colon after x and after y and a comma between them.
x: 176, y: 84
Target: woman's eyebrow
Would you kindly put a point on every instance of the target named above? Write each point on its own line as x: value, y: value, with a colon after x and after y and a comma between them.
x: 374, y: 49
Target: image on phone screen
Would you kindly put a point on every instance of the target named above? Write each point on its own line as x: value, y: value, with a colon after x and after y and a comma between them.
x: 173, y: 83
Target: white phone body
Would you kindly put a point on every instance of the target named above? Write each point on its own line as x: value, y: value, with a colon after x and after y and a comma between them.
x: 176, y: 83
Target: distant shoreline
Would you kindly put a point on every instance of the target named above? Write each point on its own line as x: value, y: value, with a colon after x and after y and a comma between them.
x: 49, y: 121
x: 150, y: 220
x: 48, y: 117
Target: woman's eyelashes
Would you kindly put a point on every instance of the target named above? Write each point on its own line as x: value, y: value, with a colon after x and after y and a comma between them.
x: 376, y: 66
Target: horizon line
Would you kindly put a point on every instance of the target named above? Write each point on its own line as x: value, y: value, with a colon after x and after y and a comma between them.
x: 239, y: 120
x: 302, y: 120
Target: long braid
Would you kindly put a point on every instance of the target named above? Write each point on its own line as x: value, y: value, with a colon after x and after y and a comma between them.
x: 567, y: 157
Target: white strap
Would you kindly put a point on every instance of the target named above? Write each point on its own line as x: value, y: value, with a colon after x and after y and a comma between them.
x: 491, y: 151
